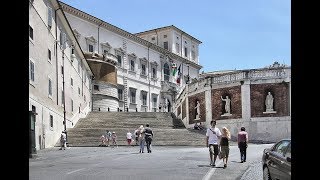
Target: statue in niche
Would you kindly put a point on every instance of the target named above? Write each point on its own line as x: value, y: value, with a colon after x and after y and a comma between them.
x: 197, y: 107
x: 227, y: 105
x: 269, y: 102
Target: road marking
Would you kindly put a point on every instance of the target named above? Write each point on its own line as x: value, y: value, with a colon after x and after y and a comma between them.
x: 75, y: 171
x: 212, y: 170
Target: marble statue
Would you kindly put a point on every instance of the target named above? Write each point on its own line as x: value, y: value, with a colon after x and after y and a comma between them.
x: 227, y: 105
x: 197, y: 110
x: 269, y: 102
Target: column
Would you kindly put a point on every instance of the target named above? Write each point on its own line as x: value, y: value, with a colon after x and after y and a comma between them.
x: 245, y: 99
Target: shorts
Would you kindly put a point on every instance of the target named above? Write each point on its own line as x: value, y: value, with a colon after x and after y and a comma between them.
x: 213, y: 148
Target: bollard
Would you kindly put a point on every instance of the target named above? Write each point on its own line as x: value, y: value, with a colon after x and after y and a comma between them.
x: 99, y: 109
x: 108, y: 109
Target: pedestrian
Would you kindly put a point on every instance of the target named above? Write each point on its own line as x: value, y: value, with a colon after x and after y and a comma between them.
x: 103, y: 140
x: 148, y: 137
x: 136, y: 135
x: 129, y: 137
x: 213, y: 135
x: 141, y: 139
x: 108, y: 137
x: 243, y: 144
x: 63, y: 141
x: 114, y: 139
x: 224, y: 145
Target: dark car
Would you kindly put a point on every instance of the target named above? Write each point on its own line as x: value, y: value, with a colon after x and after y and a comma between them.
x: 276, y: 161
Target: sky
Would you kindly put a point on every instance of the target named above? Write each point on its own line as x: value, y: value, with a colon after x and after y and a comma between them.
x: 235, y: 34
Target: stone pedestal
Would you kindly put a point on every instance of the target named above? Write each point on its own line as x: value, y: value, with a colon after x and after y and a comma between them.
x: 226, y: 114
x: 269, y: 111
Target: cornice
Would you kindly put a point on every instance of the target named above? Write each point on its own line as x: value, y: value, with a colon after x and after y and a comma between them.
x: 76, y: 12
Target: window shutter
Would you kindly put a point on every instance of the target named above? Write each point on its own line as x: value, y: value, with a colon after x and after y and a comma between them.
x: 49, y: 17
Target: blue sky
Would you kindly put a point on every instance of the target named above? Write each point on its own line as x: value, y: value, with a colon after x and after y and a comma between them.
x: 235, y: 34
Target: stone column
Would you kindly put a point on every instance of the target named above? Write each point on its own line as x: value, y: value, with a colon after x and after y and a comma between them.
x: 208, y: 106
x: 245, y: 100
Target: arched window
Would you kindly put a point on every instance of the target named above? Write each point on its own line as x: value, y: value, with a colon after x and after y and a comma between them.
x: 166, y: 72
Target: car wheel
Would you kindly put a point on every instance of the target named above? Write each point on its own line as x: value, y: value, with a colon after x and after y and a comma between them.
x: 266, y: 174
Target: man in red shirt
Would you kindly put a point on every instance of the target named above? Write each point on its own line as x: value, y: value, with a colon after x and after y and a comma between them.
x: 242, y: 144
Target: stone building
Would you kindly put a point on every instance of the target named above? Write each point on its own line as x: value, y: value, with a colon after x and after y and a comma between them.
x: 145, y: 66
x: 248, y: 91
x: 59, y: 75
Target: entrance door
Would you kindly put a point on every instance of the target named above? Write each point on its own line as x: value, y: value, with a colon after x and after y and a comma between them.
x: 32, y: 138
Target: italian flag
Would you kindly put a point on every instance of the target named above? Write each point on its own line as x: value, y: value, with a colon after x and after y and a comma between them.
x: 174, y: 69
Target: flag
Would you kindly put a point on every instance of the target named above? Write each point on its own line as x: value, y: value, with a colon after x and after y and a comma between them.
x: 174, y: 69
x: 179, y: 75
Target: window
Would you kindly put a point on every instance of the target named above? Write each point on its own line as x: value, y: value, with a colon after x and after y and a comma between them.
x: 78, y: 90
x: 71, y: 105
x: 120, y: 94
x: 288, y: 152
x: 84, y: 98
x: 165, y: 36
x: 51, y: 121
x: 281, y: 147
x: 90, y: 48
x: 49, y: 54
x: 154, y: 102
x: 166, y: 72
x: 63, y: 38
x: 154, y: 73
x: 30, y: 32
x: 143, y: 69
x: 119, y: 59
x: 153, y: 38
x: 177, y: 48
x: 71, y: 82
x: 105, y: 51
x: 132, y: 65
x: 144, y: 98
x: 193, y: 55
x: 31, y: 71
x: 165, y: 45
x: 185, y: 51
x: 132, y: 96
x: 96, y: 87
x: 49, y: 17
x: 50, y: 88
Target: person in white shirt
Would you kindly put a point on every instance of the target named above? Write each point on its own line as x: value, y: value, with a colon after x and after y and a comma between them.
x: 213, y: 136
x: 129, y: 137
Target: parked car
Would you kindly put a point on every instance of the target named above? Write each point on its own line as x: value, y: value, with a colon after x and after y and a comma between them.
x: 276, y: 161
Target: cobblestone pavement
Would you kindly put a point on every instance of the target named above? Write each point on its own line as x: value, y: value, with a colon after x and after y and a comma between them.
x: 254, y: 172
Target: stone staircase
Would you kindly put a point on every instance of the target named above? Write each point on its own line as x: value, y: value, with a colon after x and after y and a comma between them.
x: 167, y: 129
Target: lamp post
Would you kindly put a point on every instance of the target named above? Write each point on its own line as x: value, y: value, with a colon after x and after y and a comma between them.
x: 64, y: 98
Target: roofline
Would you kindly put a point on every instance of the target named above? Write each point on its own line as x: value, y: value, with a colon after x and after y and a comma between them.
x: 57, y: 6
x: 169, y: 27
x: 120, y: 31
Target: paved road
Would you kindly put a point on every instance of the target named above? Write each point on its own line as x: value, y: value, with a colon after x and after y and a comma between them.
x: 123, y: 163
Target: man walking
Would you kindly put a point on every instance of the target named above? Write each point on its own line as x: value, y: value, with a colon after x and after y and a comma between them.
x: 148, y: 137
x: 242, y: 144
x: 213, y: 135
x: 63, y: 141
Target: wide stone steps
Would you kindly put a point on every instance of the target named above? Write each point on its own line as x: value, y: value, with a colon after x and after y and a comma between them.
x: 167, y: 130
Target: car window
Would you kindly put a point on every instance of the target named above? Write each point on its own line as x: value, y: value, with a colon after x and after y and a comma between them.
x: 288, y: 152
x: 281, y: 147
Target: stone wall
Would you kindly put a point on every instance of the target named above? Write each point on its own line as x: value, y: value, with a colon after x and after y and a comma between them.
x: 192, y: 104
x: 184, y: 110
x: 234, y: 94
x: 280, y: 92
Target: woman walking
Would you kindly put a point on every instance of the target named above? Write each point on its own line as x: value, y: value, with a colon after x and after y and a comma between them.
x: 141, y: 138
x: 224, y: 145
